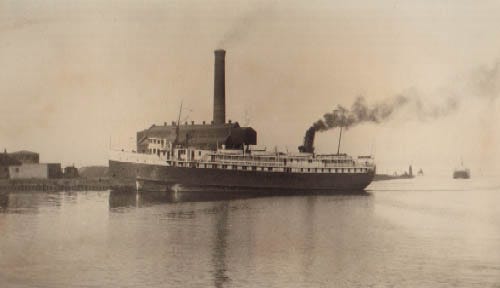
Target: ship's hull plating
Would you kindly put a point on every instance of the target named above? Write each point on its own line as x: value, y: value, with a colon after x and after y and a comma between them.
x: 168, y: 177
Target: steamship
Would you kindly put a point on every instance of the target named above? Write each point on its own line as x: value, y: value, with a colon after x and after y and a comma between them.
x: 462, y: 172
x: 222, y: 155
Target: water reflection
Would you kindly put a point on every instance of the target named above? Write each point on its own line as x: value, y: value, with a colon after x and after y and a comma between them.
x: 132, y: 198
x: 309, y: 237
x: 220, y: 246
x: 151, y: 239
x: 235, y: 223
x: 31, y: 201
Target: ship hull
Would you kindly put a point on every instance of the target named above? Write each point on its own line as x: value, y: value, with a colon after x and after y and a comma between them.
x: 156, y: 177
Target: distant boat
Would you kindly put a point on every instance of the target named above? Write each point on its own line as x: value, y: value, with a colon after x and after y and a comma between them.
x: 461, y: 173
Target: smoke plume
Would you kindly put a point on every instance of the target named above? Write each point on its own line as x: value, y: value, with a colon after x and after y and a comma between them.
x: 483, y: 83
x: 360, y: 112
x: 258, y: 14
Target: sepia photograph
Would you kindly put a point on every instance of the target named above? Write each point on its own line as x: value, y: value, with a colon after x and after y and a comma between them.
x: 249, y: 143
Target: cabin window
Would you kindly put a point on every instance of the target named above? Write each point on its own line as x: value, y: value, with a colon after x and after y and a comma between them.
x: 234, y: 167
x: 310, y: 161
x: 224, y: 166
x: 301, y: 169
x: 244, y: 167
x: 308, y: 169
x: 199, y: 153
x: 254, y: 168
x: 269, y: 168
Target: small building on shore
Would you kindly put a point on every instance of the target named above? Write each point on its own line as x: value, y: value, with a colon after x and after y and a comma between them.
x: 5, y: 162
x: 71, y: 172
x: 35, y: 171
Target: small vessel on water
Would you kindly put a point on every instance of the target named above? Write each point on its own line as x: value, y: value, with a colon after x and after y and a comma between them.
x: 462, y: 172
x: 222, y: 155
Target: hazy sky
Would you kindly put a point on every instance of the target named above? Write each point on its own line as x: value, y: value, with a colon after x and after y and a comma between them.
x: 75, y: 74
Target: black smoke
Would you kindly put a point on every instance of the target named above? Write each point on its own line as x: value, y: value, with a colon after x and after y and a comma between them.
x: 360, y: 112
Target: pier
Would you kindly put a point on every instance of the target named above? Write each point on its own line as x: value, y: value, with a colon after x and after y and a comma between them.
x: 77, y: 184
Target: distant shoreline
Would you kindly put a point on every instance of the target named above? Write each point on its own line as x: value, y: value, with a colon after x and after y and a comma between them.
x: 383, y: 177
x: 73, y: 184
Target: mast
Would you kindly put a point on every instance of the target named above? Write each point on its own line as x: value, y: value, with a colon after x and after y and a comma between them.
x: 340, y: 137
x: 177, y: 128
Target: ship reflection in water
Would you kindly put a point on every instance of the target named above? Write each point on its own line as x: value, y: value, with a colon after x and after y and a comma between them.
x: 132, y: 198
x: 223, y: 207
x: 418, y: 232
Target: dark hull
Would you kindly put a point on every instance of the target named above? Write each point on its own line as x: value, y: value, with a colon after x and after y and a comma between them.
x: 168, y: 177
x: 128, y: 172
x: 461, y: 175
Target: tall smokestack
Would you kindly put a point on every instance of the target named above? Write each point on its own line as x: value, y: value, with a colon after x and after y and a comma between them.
x: 219, y: 87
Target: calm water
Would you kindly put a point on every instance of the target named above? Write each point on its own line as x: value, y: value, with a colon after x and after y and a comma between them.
x: 425, y: 232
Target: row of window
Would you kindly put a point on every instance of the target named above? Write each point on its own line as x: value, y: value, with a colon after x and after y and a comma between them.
x: 275, y: 169
x: 272, y: 159
x: 157, y: 151
x: 158, y: 141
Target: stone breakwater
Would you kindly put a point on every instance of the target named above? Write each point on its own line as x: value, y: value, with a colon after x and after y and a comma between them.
x: 77, y: 184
